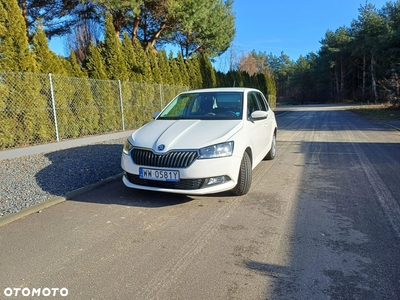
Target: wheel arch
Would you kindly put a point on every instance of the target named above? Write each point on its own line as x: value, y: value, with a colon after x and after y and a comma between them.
x: 250, y: 153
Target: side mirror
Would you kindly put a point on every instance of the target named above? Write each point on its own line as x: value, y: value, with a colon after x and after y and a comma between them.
x: 155, y: 114
x: 259, y: 115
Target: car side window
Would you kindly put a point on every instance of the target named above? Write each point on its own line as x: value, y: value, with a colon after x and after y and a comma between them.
x: 252, y: 103
x: 262, y: 102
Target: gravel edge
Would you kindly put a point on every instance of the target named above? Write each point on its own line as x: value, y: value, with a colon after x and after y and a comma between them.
x: 33, y: 182
x: 37, y: 208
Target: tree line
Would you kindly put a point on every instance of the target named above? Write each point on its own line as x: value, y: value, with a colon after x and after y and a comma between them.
x: 89, y: 81
x: 360, y: 62
x: 129, y: 47
x: 192, y: 25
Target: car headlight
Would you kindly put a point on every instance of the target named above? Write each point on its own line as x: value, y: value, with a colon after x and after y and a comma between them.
x: 127, y: 147
x: 219, y: 150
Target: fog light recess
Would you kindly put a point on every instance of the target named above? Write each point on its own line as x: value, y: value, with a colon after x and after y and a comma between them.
x: 217, y: 180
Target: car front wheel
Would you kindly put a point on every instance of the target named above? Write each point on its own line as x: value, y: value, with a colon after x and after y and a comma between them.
x: 245, y: 176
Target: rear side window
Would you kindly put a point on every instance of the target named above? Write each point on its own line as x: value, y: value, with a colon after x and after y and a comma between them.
x: 262, y: 103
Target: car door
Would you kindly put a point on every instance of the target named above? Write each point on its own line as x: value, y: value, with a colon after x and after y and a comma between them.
x: 268, y: 124
x: 259, y: 128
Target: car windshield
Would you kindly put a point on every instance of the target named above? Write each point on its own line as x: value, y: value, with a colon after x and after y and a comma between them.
x: 205, y: 106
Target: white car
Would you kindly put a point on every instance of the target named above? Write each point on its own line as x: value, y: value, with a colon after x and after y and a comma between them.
x: 204, y: 141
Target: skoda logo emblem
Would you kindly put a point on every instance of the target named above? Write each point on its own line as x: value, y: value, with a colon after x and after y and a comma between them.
x: 161, y: 147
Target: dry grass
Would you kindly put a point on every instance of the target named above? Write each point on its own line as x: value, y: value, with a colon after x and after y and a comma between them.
x: 378, y: 112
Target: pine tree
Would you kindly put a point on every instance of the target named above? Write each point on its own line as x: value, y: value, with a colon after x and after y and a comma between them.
x: 167, y: 77
x: 46, y: 60
x: 116, y: 70
x: 154, y: 66
x: 368, y: 30
x: 76, y: 70
x: 183, y: 69
x: 93, y: 63
x: 26, y: 120
x: 176, y: 74
x: 128, y: 88
x: 82, y: 103
x: 129, y: 54
x: 101, y: 88
x: 15, y: 55
x: 207, y: 71
x: 113, y: 57
x: 193, y: 67
x: 142, y: 63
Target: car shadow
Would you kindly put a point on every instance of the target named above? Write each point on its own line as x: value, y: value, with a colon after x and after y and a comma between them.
x: 76, y: 168
x: 115, y: 192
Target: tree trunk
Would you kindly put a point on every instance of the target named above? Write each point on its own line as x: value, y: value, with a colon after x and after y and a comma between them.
x: 373, y: 79
x: 341, y: 79
x: 135, y: 29
x: 118, y: 19
x: 364, y: 77
x: 156, y: 36
x: 24, y: 11
x: 337, y: 84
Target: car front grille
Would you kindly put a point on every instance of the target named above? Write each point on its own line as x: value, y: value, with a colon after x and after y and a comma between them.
x: 173, y: 159
x: 183, y: 184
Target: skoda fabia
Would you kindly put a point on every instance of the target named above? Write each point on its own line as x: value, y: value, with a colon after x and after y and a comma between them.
x: 204, y: 141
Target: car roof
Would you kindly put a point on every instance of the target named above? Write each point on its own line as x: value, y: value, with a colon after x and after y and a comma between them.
x: 222, y: 89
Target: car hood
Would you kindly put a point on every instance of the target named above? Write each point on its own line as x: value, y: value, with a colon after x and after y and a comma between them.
x: 184, y: 134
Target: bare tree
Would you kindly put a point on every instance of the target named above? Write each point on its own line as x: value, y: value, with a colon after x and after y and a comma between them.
x: 247, y: 63
x: 80, y: 37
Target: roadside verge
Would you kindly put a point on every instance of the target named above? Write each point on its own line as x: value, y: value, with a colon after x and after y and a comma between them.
x: 37, y: 208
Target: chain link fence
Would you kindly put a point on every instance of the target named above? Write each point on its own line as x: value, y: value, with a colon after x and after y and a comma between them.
x: 43, y: 108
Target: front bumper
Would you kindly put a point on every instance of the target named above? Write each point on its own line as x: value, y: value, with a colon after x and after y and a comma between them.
x: 194, y: 180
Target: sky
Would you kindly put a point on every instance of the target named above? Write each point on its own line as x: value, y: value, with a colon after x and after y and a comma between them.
x: 293, y: 26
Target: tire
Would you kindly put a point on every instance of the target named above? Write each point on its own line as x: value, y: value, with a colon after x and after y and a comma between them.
x: 272, y: 152
x: 245, y: 177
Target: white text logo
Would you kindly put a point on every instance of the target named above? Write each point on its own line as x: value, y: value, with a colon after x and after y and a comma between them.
x: 35, y: 292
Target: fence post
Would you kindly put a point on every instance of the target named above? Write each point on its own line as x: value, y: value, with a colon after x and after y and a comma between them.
x: 53, y: 103
x: 122, y: 105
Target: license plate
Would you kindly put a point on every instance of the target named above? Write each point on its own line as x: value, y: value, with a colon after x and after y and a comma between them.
x: 160, y: 175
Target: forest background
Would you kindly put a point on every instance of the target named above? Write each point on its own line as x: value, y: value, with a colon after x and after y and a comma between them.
x: 359, y: 62
x: 116, y: 52
x: 126, y: 41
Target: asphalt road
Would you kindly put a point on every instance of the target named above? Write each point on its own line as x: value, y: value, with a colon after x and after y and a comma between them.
x: 321, y: 221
